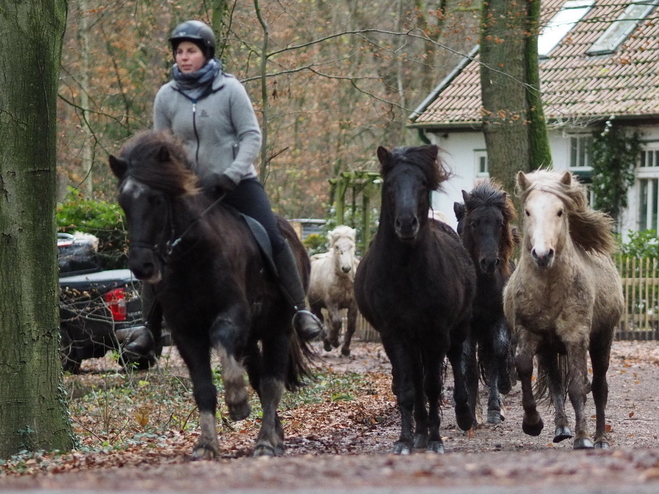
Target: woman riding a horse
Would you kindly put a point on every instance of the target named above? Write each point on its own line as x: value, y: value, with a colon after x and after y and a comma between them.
x: 212, y: 114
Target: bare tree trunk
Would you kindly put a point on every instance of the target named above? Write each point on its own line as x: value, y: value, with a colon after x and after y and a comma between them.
x: 87, y: 186
x: 33, y: 410
x: 513, y: 122
x: 263, y: 171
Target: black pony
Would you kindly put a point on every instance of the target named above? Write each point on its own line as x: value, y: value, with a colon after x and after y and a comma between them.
x: 484, y: 224
x: 213, y: 287
x: 415, y: 285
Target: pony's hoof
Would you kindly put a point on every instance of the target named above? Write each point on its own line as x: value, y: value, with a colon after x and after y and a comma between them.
x: 267, y: 450
x: 345, y: 352
x: 204, y: 453
x: 239, y: 411
x: 583, y: 443
x: 505, y: 386
x: 327, y: 346
x: 532, y: 429
x: 602, y: 444
x: 420, y: 441
x: 495, y: 417
x: 335, y: 344
x: 463, y: 417
x: 436, y: 447
x: 402, y: 448
x: 562, y: 433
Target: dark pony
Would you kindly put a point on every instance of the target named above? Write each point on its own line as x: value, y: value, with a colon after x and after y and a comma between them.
x: 213, y: 287
x: 415, y: 285
x: 485, y: 226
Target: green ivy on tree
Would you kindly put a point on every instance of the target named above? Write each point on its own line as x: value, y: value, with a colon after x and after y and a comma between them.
x: 615, y: 155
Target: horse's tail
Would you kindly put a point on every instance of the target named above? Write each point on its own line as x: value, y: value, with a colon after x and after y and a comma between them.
x: 541, y: 387
x: 301, y: 363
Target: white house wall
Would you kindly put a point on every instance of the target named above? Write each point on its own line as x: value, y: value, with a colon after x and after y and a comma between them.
x: 459, y: 153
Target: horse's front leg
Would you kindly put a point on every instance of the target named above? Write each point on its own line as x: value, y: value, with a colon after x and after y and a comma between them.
x: 350, y: 330
x: 577, y: 390
x: 549, y: 363
x: 531, y: 423
x: 196, y: 355
x: 402, y: 373
x: 433, y: 390
x: 462, y: 356
x: 335, y: 325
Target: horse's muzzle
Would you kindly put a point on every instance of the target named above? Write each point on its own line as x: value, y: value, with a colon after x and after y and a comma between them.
x: 543, y: 260
x: 144, y: 265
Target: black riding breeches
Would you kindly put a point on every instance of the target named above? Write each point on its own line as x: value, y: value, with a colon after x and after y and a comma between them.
x: 249, y: 198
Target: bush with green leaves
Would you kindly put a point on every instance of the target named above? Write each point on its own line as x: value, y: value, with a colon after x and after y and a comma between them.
x: 102, y: 219
x: 643, y: 244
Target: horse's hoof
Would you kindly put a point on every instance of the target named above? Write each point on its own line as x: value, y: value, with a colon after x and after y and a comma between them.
x: 402, y: 448
x: 204, y: 453
x: 583, y: 443
x: 420, y: 441
x: 494, y: 417
x: 562, y: 433
x: 436, y: 447
x: 463, y: 417
x: 602, y: 444
x: 267, y: 450
x: 345, y: 352
x: 239, y: 411
x: 532, y: 429
x: 335, y: 344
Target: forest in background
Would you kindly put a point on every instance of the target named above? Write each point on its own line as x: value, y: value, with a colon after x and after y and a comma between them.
x: 341, y: 78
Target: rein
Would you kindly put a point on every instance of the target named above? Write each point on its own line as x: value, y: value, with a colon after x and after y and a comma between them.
x: 170, y: 245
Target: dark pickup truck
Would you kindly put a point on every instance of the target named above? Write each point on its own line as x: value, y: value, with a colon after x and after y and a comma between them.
x: 100, y: 310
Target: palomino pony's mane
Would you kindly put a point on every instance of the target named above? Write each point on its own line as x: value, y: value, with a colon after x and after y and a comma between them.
x: 589, y: 229
x: 489, y: 193
x: 158, y: 159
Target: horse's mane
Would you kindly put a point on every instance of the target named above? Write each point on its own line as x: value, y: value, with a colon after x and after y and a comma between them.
x: 590, y: 229
x: 158, y: 159
x: 490, y: 193
x: 425, y: 158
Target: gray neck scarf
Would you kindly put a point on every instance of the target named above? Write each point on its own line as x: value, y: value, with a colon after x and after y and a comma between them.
x: 197, y: 85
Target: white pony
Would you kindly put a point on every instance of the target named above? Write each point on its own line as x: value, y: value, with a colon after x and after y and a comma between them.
x: 331, y: 286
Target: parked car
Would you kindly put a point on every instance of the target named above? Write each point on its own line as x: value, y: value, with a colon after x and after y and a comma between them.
x: 100, y: 310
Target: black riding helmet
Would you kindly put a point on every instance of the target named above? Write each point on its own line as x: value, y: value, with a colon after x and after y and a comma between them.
x: 197, y: 32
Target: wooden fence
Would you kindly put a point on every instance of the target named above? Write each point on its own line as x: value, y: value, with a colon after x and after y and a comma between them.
x: 640, y: 284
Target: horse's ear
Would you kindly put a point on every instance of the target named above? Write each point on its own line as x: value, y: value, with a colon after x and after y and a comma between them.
x: 384, y: 156
x: 465, y: 196
x: 522, y: 181
x: 459, y: 210
x: 118, y: 166
x: 163, y: 154
x: 566, y: 179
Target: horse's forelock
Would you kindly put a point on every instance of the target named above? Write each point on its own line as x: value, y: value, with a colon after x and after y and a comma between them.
x: 158, y: 160
x: 426, y: 158
x: 590, y: 229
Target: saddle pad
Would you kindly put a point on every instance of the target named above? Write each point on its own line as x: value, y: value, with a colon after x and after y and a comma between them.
x: 263, y: 241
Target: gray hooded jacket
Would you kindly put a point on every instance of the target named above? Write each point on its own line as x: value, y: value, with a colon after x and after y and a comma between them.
x: 220, y: 131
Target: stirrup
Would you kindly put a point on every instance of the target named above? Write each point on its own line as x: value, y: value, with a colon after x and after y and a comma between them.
x: 307, y: 333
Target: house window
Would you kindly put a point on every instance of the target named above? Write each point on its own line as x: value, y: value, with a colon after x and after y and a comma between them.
x: 622, y: 27
x: 561, y: 24
x: 648, y: 188
x: 581, y: 151
x: 480, y: 156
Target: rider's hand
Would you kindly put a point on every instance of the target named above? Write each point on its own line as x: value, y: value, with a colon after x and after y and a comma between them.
x: 220, y: 183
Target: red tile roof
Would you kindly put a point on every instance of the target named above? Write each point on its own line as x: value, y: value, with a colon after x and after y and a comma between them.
x: 575, y: 86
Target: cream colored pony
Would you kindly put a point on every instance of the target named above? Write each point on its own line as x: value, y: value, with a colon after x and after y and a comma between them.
x: 563, y: 301
x: 331, y: 286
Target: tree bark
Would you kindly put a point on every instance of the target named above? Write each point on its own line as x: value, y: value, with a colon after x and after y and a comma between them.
x: 33, y: 410
x: 513, y: 121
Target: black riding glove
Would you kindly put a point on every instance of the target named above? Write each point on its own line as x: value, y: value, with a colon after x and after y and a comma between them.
x: 219, y: 183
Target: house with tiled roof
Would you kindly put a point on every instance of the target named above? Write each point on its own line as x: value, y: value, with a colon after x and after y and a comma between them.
x: 599, y: 61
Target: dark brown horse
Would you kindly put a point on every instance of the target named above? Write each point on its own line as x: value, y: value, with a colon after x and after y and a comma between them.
x: 415, y: 285
x: 485, y: 226
x: 213, y: 286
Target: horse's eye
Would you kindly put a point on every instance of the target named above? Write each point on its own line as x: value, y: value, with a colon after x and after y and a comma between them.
x: 560, y: 213
x: 527, y: 212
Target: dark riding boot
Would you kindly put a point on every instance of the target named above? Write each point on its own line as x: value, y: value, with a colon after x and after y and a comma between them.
x: 307, y: 326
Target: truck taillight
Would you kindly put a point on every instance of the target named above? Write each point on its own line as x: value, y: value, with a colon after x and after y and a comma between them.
x: 116, y: 300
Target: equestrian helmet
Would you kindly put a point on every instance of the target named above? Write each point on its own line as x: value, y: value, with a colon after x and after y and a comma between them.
x: 197, y: 32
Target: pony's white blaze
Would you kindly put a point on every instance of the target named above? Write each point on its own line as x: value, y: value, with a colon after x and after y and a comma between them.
x: 545, y: 225
x: 133, y: 188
